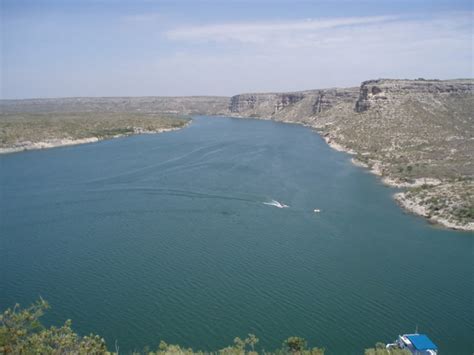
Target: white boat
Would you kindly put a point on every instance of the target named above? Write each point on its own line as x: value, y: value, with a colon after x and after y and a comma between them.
x: 316, y: 210
x: 417, y: 344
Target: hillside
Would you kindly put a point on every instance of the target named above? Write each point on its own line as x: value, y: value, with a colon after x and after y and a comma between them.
x: 191, y: 105
x: 27, y: 131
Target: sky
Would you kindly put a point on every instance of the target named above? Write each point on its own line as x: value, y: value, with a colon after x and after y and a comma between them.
x: 69, y: 48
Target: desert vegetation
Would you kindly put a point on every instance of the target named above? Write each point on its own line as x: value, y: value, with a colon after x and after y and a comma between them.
x: 25, y: 129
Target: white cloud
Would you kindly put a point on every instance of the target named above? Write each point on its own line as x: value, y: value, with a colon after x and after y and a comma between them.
x: 334, y: 31
x: 264, y: 31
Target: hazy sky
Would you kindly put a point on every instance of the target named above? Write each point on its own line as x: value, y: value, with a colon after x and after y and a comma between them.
x: 57, y: 48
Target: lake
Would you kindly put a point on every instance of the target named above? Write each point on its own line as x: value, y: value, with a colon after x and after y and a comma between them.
x: 168, y: 237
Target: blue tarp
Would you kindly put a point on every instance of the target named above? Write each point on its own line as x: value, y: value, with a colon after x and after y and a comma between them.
x: 422, y: 342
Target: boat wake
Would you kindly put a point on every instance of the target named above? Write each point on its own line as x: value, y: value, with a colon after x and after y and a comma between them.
x: 276, y: 203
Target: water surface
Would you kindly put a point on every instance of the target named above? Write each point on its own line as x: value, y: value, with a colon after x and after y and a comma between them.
x: 167, y: 237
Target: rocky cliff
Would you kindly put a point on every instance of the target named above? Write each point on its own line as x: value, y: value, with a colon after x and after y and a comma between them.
x: 263, y: 104
x: 292, y: 106
x: 374, y: 93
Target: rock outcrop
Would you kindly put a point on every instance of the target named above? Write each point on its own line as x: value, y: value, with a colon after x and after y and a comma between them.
x: 292, y: 106
x: 374, y: 92
x: 268, y: 104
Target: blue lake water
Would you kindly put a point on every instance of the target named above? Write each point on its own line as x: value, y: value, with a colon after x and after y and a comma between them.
x: 167, y: 237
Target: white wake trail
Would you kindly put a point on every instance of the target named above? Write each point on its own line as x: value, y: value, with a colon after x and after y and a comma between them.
x: 276, y: 203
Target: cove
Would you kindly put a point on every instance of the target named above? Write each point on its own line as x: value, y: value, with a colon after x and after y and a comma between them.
x: 168, y: 237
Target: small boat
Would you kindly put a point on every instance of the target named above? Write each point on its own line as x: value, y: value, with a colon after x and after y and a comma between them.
x: 417, y: 344
x: 316, y: 210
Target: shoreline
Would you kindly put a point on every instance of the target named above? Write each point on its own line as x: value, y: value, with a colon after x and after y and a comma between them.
x: 65, y: 142
x: 409, y: 205
x: 412, y: 206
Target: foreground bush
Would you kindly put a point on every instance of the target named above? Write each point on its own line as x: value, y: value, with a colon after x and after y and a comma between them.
x: 22, y: 333
x: 381, y: 350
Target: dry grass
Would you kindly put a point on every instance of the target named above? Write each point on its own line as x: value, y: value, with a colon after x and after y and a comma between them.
x: 36, y: 127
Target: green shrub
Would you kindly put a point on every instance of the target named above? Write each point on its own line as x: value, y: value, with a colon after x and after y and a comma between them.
x: 22, y: 333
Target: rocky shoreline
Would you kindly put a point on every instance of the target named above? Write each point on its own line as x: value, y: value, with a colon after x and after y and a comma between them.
x: 416, y: 206
x: 64, y: 142
x: 412, y: 204
x: 32, y: 131
x: 404, y: 199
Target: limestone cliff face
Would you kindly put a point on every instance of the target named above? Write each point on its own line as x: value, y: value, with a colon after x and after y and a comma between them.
x: 291, y: 106
x: 268, y: 104
x: 375, y: 93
